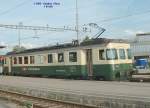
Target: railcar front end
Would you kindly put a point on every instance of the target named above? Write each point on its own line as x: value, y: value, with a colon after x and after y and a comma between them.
x: 113, y: 62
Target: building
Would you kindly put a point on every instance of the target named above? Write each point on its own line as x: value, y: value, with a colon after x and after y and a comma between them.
x: 141, y: 46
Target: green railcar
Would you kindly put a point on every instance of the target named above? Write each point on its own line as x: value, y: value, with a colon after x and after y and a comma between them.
x: 102, y: 59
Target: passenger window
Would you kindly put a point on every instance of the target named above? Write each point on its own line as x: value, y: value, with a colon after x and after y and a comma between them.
x: 101, y: 55
x: 26, y: 60
x: 15, y: 60
x: 122, y: 54
x: 50, y: 58
x: 20, y: 60
x: 31, y: 59
x: 111, y: 54
x: 60, y: 57
x: 41, y: 59
x: 37, y: 59
x: 73, y: 56
x: 129, y: 54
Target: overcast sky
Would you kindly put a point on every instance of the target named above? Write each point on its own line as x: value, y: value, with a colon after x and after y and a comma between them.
x: 120, y: 18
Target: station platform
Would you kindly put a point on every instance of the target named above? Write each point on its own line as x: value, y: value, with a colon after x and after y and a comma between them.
x: 100, y: 94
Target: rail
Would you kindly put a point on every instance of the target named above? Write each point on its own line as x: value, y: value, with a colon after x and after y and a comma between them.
x: 36, y: 102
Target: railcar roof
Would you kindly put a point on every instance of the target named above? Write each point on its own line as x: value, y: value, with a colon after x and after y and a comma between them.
x: 70, y: 45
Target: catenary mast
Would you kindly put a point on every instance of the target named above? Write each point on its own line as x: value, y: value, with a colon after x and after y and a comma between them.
x: 77, y: 21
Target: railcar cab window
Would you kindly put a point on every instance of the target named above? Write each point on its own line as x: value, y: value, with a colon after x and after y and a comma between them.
x: 20, y: 60
x: 31, y: 59
x: 50, y: 58
x: 26, y: 60
x: 15, y: 60
x: 101, y: 54
x: 129, y: 54
x: 60, y: 57
x: 122, y: 54
x: 72, y: 56
x: 111, y: 54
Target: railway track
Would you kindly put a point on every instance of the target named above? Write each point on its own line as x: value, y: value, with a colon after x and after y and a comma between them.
x: 36, y: 102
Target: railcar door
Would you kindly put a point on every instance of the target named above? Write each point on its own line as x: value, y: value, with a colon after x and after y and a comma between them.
x: 89, y: 63
x: 1, y: 69
x: 1, y: 65
x: 9, y: 65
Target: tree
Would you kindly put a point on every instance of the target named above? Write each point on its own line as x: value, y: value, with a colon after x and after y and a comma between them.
x: 17, y: 48
x: 86, y: 39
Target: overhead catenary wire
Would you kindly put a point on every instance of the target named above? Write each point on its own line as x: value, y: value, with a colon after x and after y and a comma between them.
x: 33, y: 36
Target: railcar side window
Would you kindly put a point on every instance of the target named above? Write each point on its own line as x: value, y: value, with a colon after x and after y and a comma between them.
x: 20, y: 60
x: 73, y: 56
x: 15, y: 60
x: 41, y: 59
x: 60, y: 57
x: 50, y: 58
x: 31, y: 59
x: 122, y: 54
x: 37, y: 59
x: 101, y: 55
x: 26, y: 60
x: 129, y: 53
x: 111, y: 54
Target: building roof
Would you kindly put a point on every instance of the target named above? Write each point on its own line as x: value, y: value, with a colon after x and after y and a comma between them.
x: 2, y: 46
x: 143, y: 34
x: 71, y: 45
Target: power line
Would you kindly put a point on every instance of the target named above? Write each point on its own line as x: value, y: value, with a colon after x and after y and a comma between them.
x: 13, y: 8
x: 130, y: 3
x: 123, y: 17
x: 67, y: 10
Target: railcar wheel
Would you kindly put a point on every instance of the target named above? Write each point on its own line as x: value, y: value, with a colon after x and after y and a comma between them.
x: 141, y: 80
x: 100, y: 78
